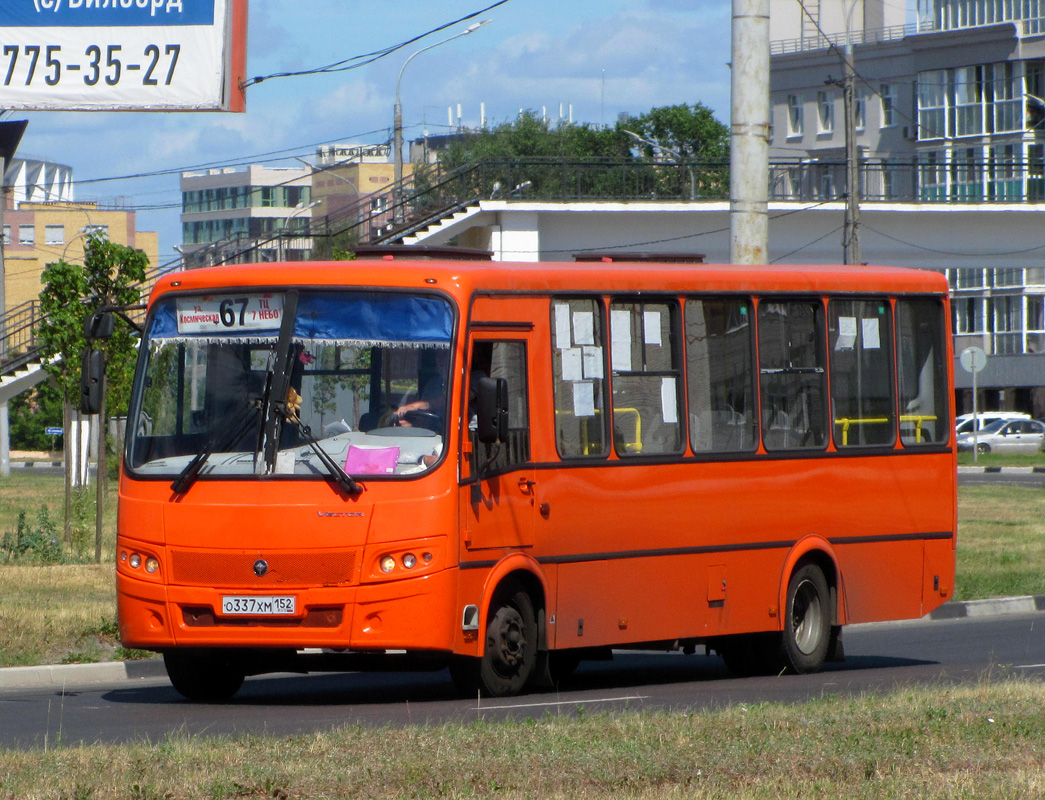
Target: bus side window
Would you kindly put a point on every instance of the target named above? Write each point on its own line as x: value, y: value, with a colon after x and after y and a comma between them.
x: 720, y: 373
x: 920, y: 331
x: 646, y: 380
x: 860, y: 349
x: 791, y: 366
x: 578, y: 379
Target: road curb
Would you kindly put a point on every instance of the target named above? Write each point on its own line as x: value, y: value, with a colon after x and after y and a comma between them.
x: 1007, y: 470
x: 60, y: 676
x: 994, y: 607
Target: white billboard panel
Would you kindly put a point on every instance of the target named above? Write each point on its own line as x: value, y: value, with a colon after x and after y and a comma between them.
x: 122, y: 54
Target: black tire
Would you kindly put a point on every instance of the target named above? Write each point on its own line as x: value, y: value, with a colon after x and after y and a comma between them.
x: 983, y: 448
x: 510, y: 654
x: 807, y: 620
x: 204, y: 676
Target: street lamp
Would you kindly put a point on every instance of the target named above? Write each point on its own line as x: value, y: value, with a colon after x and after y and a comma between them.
x: 300, y: 208
x: 677, y: 156
x: 397, y: 124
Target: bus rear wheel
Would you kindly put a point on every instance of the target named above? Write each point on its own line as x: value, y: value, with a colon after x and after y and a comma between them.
x: 204, y: 676
x: 807, y: 620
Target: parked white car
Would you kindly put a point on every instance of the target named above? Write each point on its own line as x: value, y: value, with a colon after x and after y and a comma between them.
x: 963, y: 424
x: 1005, y: 436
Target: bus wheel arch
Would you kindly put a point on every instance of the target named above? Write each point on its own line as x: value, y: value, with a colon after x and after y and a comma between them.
x: 512, y: 626
x: 811, y: 608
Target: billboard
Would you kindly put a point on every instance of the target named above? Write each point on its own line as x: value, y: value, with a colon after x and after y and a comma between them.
x: 122, y: 55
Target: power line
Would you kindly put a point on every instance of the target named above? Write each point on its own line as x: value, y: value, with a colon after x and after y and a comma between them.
x: 355, y: 62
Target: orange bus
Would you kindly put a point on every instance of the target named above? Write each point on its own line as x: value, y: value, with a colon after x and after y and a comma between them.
x: 509, y: 468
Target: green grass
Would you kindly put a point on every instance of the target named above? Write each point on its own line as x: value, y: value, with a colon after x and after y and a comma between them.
x: 935, y: 743
x: 1002, y: 460
x: 1001, y: 542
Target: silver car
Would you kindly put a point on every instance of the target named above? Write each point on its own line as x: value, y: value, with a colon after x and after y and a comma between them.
x: 1005, y: 436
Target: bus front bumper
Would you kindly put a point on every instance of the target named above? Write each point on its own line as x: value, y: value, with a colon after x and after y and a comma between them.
x: 410, y: 614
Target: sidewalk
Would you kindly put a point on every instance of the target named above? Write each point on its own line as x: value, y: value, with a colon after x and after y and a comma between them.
x: 63, y: 676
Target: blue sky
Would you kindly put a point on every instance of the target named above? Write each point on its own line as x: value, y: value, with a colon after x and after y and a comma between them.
x: 602, y: 57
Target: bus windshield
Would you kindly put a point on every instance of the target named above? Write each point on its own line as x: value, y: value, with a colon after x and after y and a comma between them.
x: 250, y: 383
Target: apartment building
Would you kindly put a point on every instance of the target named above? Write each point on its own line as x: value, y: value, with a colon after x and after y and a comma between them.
x: 236, y: 215
x: 949, y: 104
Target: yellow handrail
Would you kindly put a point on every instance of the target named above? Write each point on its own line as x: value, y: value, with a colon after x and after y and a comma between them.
x: 847, y: 422
x: 918, y: 419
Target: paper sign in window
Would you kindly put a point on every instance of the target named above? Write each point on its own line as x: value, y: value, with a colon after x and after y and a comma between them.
x: 583, y: 327
x: 871, y: 337
x: 846, y: 333
x: 593, y: 362
x: 562, y: 326
x: 651, y: 324
x: 669, y: 401
x: 620, y: 336
x: 572, y: 364
x: 584, y: 399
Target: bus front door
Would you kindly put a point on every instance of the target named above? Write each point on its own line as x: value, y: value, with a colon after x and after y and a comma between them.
x: 499, y: 495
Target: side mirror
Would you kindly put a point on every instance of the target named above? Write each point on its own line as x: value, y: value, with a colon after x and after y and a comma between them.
x: 91, y: 381
x: 100, y: 325
x: 492, y: 410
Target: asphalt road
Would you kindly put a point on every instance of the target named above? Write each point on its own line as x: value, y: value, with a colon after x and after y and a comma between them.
x: 883, y: 656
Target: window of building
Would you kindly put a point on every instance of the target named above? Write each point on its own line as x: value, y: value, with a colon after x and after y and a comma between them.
x: 887, y: 96
x: 932, y: 175
x: 932, y: 104
x: 794, y: 115
x: 54, y: 234
x: 1005, y: 182
x: 7, y: 234
x: 921, y: 354
x: 967, y: 174
x: 825, y: 112
x: 792, y: 374
x: 1008, y: 324
x: 968, y: 101
x: 578, y: 378
x: 1007, y: 277
x: 968, y: 315
x: 26, y: 234
x: 860, y: 340
x: 1004, y: 94
x: 860, y: 108
x: 719, y: 372
x: 647, y: 381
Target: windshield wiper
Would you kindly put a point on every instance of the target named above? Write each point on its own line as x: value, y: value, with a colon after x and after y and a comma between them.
x: 188, y: 476
x: 290, y: 412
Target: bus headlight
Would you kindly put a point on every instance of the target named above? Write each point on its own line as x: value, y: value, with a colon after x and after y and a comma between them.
x: 413, y: 559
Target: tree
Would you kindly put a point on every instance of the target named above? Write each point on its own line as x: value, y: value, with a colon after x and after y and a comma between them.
x: 689, y: 137
x: 690, y: 131
x: 110, y: 276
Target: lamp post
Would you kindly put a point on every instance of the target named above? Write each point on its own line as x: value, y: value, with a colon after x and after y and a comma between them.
x: 397, y: 122
x: 300, y: 208
x: 674, y: 153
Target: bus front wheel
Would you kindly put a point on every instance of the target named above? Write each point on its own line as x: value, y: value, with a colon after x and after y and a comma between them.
x: 510, y: 653
x: 205, y: 676
x: 807, y: 620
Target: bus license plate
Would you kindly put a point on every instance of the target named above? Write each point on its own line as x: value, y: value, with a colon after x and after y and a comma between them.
x: 258, y: 606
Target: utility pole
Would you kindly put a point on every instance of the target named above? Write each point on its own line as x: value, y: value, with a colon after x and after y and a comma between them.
x: 851, y: 229
x: 749, y: 134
